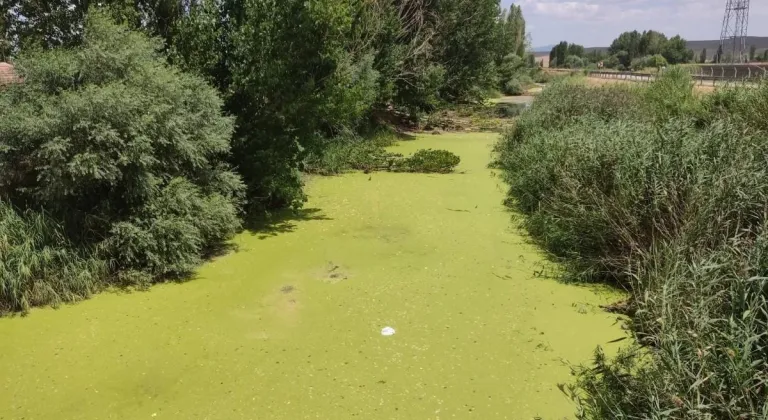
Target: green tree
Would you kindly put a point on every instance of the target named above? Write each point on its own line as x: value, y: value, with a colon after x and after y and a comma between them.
x: 658, y: 61
x: 639, y: 63
x: 629, y: 43
x: 511, y: 33
x: 575, y: 50
x: 52, y: 23
x: 530, y: 59
x: 127, y: 152
x: 293, y: 80
x: 511, y: 65
x: 6, y: 43
x: 401, y: 35
x: 611, y: 62
x: 676, y: 50
x: 574, y: 62
x: 596, y: 55
x: 559, y: 54
x: 652, y: 43
x: 752, y: 51
x: 465, y: 47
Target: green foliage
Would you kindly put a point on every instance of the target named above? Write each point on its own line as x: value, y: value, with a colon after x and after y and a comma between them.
x: 676, y: 51
x: 509, y: 110
x: 292, y: 79
x: 171, y: 233
x: 658, y: 61
x: 55, y: 23
x: 630, y: 47
x: 542, y: 77
x: 513, y: 87
x: 574, y: 62
x: 510, y: 32
x: 465, y: 45
x: 513, y: 75
x: 130, y: 158
x: 39, y: 266
x: 510, y: 66
x: 612, y: 62
x: 351, y: 152
x: 638, y: 63
x: 348, y: 152
x: 703, y: 56
x: 116, y: 144
x: 297, y: 73
x: 662, y: 192
x: 428, y: 161
x: 558, y: 56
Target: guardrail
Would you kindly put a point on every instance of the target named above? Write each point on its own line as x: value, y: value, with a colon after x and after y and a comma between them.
x: 623, y: 75
x: 714, y: 74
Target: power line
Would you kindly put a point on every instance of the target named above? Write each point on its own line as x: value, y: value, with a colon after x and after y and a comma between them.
x: 733, y: 37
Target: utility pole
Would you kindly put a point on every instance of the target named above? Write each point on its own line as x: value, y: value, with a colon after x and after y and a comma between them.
x: 733, y: 37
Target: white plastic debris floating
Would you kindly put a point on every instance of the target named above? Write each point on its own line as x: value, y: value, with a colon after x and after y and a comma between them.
x: 387, y: 331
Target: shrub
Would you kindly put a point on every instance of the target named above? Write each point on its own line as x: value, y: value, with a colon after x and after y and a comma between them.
x: 173, y: 230
x: 39, y: 266
x: 508, y: 110
x: 428, y: 161
x: 125, y: 153
x: 663, y: 193
x: 513, y: 87
x: 542, y: 77
x: 639, y: 63
x: 351, y: 152
x: 293, y: 76
x: 574, y: 62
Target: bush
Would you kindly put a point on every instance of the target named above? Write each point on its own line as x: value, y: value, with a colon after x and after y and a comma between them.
x: 126, y: 154
x: 351, y: 152
x: 508, y: 110
x: 542, y: 77
x: 513, y: 87
x: 574, y: 62
x: 639, y: 63
x: 176, y: 227
x: 663, y: 193
x: 428, y: 161
x: 39, y: 266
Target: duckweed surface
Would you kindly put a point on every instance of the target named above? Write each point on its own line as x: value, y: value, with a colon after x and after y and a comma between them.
x: 289, y: 325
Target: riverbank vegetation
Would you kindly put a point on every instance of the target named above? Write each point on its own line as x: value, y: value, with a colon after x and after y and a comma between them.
x: 145, y: 133
x: 662, y: 192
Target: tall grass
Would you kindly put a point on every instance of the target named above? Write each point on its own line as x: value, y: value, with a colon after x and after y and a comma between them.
x: 664, y: 193
x: 38, y: 265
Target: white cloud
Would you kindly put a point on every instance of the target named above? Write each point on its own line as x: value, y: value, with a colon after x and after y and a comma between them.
x: 568, y: 9
x: 597, y: 22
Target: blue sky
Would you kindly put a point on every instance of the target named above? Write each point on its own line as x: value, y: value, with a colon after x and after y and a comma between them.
x: 595, y: 23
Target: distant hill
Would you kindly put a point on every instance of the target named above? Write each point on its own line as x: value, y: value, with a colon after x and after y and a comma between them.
x: 760, y: 42
x: 543, y: 49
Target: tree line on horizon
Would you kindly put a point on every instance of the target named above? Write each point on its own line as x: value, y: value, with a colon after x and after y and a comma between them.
x: 631, y: 50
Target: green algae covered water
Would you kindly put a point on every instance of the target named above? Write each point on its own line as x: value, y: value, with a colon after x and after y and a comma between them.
x: 289, y: 325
